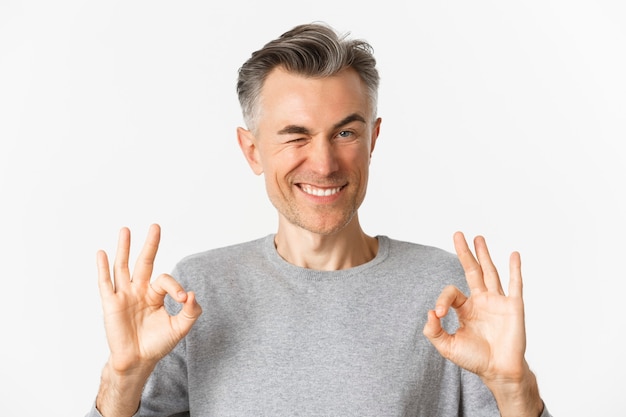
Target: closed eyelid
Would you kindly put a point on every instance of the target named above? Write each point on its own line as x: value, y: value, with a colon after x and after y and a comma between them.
x: 301, y: 130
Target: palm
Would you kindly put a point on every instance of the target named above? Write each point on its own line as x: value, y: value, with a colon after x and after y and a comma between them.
x: 488, y: 338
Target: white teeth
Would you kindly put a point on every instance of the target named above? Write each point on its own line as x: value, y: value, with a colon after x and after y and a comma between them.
x: 320, y: 192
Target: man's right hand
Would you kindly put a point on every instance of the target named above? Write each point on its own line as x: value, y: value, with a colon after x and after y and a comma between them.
x: 139, y: 330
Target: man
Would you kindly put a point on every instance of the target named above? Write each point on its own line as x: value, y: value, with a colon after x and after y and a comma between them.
x: 318, y: 319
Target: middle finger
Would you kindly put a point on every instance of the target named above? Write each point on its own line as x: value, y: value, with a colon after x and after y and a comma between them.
x: 490, y: 273
x: 473, y: 271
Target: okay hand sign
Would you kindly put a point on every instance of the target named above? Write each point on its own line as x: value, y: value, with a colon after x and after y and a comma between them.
x: 139, y: 330
x: 491, y: 338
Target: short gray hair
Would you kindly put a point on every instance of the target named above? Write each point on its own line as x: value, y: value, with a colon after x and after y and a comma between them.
x: 312, y: 50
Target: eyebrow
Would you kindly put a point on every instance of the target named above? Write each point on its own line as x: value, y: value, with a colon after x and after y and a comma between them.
x: 301, y: 130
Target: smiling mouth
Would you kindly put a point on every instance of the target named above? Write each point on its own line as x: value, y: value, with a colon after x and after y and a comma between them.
x: 319, y: 192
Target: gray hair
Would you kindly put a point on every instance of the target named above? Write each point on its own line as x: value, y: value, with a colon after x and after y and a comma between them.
x: 312, y: 50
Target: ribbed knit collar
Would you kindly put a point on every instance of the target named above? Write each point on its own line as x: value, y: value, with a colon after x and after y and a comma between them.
x: 310, y: 274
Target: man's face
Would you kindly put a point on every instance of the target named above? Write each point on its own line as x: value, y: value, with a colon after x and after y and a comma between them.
x: 313, y: 144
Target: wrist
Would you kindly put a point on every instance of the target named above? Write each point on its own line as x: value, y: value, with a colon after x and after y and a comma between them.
x: 517, y: 397
x: 120, y: 392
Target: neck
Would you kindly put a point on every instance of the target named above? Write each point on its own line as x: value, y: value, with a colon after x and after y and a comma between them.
x: 344, y: 249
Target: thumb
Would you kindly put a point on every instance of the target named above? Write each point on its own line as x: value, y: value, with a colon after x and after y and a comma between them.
x: 187, y: 316
x: 433, y: 331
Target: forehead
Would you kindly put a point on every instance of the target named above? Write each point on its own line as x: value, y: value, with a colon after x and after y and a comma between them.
x: 287, y: 97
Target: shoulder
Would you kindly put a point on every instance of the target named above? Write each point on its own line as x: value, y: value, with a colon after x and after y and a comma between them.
x: 421, y: 253
x: 430, y: 263
x: 223, y: 257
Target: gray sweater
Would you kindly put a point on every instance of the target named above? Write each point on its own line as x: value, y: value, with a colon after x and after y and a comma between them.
x: 279, y: 340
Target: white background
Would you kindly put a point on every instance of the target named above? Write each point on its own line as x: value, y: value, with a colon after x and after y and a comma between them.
x: 499, y: 118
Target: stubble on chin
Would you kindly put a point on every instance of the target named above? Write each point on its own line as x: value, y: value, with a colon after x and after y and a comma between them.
x: 321, y: 222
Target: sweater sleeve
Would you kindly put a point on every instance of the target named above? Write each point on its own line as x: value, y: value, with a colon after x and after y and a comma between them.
x: 476, y: 399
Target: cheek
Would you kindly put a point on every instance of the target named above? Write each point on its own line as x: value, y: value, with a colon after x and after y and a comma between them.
x: 277, y: 175
x: 286, y: 162
x: 358, y: 158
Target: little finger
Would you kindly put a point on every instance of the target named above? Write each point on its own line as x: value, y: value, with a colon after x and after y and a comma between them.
x: 104, y: 274
x: 515, y: 280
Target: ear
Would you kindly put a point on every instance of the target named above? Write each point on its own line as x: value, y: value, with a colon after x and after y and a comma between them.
x: 375, y: 133
x: 247, y: 143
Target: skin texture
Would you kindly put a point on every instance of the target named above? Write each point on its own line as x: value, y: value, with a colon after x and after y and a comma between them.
x: 315, y: 134
x: 314, y: 145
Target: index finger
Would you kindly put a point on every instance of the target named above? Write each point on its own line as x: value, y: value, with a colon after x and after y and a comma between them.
x: 473, y: 270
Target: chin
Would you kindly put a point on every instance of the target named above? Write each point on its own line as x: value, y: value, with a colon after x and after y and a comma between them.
x: 327, y: 228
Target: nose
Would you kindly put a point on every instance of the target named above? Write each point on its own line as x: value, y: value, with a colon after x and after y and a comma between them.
x: 322, y: 158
